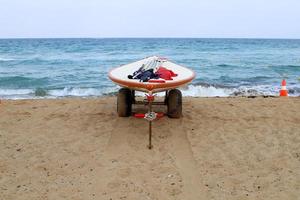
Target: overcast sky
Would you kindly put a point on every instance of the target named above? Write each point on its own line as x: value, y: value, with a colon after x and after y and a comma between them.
x: 150, y: 18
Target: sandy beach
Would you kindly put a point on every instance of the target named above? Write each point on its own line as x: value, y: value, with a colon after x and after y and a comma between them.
x: 223, y: 148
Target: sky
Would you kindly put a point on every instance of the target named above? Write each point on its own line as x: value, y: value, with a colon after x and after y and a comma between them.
x: 150, y: 18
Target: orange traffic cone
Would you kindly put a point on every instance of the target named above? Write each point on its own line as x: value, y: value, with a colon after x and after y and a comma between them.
x: 283, y: 91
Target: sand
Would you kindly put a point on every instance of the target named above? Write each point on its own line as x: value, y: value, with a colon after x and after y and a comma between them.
x: 223, y: 148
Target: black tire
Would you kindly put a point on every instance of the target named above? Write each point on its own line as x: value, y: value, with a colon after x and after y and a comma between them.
x: 133, y: 97
x: 166, y: 98
x: 124, y: 102
x: 174, y: 102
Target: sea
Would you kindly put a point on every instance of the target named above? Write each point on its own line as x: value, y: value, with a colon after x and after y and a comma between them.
x: 58, y: 68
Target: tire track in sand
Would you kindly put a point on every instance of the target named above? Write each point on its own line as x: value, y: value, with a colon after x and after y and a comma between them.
x: 180, y: 149
x: 176, y: 145
x: 118, y: 139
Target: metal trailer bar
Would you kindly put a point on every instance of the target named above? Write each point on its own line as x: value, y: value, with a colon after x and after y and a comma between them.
x: 150, y: 115
x: 145, y: 103
x: 150, y: 125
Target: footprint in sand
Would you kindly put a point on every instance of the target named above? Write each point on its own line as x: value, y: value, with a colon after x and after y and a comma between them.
x: 124, y: 173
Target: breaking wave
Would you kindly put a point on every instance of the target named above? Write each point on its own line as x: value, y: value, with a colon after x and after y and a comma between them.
x: 81, y: 92
x: 198, y: 90
x: 56, y: 93
x: 208, y: 90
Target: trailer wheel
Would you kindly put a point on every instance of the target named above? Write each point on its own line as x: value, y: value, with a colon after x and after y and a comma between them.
x: 124, y: 102
x: 174, y: 102
x: 133, y: 97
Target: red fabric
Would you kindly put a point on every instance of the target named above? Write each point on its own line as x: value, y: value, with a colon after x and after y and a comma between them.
x: 166, y: 74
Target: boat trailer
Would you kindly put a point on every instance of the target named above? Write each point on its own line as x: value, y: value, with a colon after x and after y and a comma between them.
x: 173, y: 101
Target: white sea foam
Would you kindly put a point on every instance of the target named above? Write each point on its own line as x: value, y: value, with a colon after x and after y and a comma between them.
x: 212, y: 91
x: 81, y: 92
x: 16, y: 93
x: 257, y: 90
x: 209, y: 91
x: 192, y: 90
x: 6, y: 59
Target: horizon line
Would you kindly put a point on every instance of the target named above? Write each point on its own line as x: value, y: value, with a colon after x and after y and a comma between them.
x: 257, y: 38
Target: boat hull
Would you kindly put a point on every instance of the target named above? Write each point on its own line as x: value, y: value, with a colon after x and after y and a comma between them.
x: 120, y: 74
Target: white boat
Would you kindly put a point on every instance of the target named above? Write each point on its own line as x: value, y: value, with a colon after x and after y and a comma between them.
x: 120, y: 74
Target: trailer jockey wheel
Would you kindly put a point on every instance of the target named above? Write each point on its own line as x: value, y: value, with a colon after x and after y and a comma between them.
x: 124, y: 102
x: 174, y: 102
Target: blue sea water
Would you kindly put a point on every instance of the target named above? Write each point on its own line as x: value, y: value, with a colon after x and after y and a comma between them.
x: 51, y: 68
